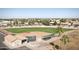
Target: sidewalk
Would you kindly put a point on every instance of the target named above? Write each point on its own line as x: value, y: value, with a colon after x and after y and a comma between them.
x: 66, y: 27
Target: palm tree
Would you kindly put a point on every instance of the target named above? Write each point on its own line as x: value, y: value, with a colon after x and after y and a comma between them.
x: 15, y: 22
x: 11, y: 24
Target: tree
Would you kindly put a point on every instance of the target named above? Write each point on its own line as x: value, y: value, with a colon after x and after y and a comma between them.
x: 55, y: 23
x: 10, y: 23
x: 22, y: 21
x: 31, y: 22
x: 65, y: 40
x: 38, y: 21
x: 54, y: 45
x: 62, y: 20
x: 45, y: 22
x: 15, y: 22
x: 60, y: 30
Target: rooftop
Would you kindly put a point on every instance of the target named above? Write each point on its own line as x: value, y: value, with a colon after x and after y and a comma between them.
x: 21, y: 36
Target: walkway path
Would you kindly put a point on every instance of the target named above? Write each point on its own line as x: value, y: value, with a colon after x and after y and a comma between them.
x: 67, y: 27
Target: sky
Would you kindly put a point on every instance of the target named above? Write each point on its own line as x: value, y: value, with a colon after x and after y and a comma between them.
x: 38, y: 12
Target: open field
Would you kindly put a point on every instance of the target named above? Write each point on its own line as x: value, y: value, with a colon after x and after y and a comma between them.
x: 20, y: 30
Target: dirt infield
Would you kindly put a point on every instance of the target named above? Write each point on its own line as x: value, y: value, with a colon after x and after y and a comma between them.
x: 34, y: 33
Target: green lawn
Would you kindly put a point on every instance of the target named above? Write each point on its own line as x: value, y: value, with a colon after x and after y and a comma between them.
x: 20, y: 30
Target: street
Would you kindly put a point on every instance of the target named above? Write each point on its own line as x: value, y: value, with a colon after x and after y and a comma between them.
x: 2, y: 45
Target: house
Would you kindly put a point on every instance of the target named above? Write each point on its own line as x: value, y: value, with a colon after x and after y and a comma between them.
x: 4, y: 23
x: 52, y: 22
x: 65, y: 24
x: 76, y: 24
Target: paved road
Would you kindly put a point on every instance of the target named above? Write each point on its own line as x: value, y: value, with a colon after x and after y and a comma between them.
x: 66, y: 27
x: 22, y: 48
x: 2, y: 45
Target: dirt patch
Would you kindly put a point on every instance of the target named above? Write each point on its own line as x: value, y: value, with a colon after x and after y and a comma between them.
x: 73, y: 41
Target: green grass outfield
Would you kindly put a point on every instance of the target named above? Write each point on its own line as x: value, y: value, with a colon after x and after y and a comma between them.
x: 20, y: 30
